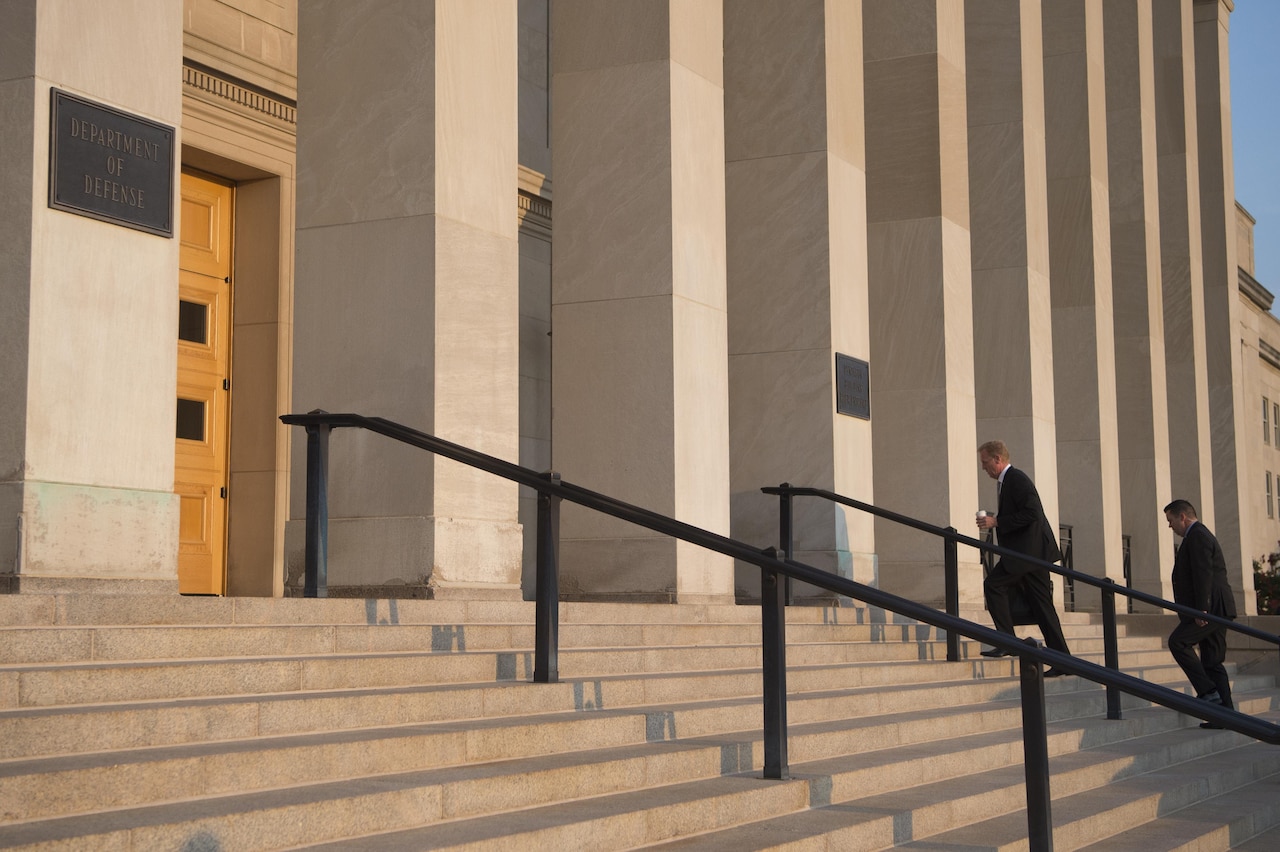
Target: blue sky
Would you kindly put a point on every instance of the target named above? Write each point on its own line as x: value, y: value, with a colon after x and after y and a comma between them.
x: 1255, y: 127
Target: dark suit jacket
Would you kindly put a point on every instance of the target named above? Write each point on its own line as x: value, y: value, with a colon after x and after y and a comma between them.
x: 1200, y: 575
x: 1021, y: 524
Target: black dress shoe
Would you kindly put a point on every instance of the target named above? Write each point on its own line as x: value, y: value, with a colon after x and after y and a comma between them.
x: 1056, y: 673
x: 1211, y: 697
x: 995, y: 652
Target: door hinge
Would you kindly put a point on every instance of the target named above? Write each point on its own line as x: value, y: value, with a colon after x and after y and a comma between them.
x: 224, y: 492
x: 226, y: 384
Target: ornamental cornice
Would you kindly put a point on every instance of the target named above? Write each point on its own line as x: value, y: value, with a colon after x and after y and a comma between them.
x: 1259, y: 295
x: 209, y: 85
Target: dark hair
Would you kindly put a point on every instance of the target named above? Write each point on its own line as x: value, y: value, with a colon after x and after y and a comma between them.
x: 1181, y: 507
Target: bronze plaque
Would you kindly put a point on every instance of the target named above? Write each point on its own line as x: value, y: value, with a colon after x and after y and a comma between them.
x: 109, y: 165
x: 853, y: 387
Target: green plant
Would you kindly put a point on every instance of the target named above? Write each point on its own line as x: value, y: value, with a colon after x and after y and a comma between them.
x: 1266, y: 582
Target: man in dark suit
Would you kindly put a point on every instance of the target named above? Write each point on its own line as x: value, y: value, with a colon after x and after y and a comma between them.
x: 1020, y: 525
x: 1200, y: 582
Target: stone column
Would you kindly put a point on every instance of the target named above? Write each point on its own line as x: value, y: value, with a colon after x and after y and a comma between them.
x: 639, y: 329
x: 1181, y: 265
x: 406, y: 297
x: 88, y: 325
x: 1012, y: 337
x: 797, y: 267
x: 1080, y: 263
x: 535, y: 266
x: 1229, y: 409
x: 920, y: 292
x: 1142, y: 414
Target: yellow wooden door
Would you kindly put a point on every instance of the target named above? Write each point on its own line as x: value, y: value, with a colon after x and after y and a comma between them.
x: 203, y: 405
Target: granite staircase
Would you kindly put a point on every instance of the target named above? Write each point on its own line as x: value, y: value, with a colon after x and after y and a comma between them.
x: 202, y: 724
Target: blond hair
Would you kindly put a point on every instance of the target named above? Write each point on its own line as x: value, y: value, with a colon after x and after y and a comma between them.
x: 996, y: 450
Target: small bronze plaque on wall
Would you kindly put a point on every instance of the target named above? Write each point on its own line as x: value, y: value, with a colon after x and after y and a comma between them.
x: 853, y: 387
x: 109, y: 165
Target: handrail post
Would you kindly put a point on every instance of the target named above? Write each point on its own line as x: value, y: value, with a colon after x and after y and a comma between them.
x: 319, y: 425
x: 1110, y: 646
x: 315, y: 582
x: 773, y: 630
x: 1035, y: 749
x: 546, y: 630
x: 951, y: 572
x: 786, y: 533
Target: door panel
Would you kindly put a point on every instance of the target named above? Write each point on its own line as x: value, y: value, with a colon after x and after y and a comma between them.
x: 201, y: 435
x: 205, y: 230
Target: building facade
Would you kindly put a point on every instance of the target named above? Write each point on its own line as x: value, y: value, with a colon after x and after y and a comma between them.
x: 837, y: 243
x: 1260, y: 354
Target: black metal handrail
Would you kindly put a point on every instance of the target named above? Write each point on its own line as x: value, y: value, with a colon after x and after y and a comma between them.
x: 1108, y: 586
x: 774, y: 569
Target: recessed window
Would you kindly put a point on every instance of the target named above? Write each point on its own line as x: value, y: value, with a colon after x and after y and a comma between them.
x: 191, y: 422
x: 1270, y: 504
x: 193, y: 322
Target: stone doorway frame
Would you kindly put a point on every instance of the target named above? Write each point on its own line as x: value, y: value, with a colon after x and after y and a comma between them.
x: 238, y: 133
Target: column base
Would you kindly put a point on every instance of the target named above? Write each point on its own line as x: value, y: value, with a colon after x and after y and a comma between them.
x: 23, y: 584
x: 416, y: 591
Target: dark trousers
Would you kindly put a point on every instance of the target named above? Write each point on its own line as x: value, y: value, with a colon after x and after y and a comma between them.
x: 1039, y: 594
x: 1206, y: 671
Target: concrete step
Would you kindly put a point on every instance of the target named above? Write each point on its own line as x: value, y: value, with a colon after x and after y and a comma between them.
x: 105, y: 609
x: 27, y: 732
x: 340, y: 812
x: 815, y: 740
x: 102, y: 610
x: 95, y: 782
x: 395, y: 716
x: 1087, y: 760
x: 51, y: 684
x: 45, y: 644
x: 27, y: 686
x: 1099, y: 788
x: 1266, y: 841
x: 822, y: 723
x: 613, y: 820
x: 1095, y: 815
x: 1246, y: 817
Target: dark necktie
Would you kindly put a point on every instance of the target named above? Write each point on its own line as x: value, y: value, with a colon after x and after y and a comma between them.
x: 995, y: 535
